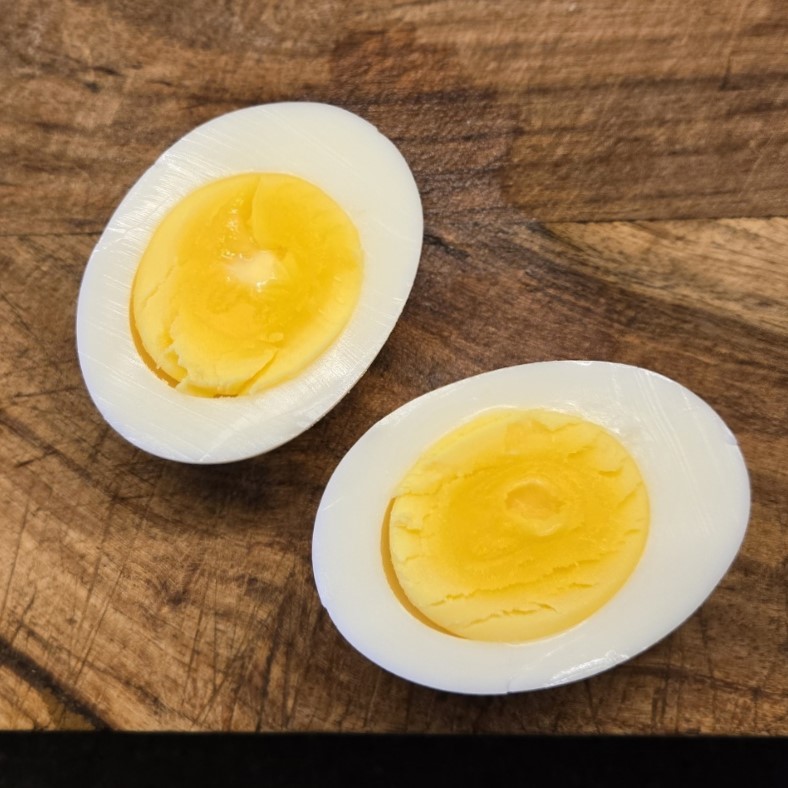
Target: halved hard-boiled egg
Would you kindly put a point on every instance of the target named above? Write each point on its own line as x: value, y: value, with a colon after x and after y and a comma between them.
x: 530, y: 526
x: 248, y: 280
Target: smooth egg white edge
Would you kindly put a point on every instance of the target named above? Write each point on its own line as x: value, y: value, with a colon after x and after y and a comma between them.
x: 343, y: 154
x: 699, y: 493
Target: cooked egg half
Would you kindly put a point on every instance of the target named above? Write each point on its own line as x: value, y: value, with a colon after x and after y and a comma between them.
x: 248, y: 280
x: 530, y: 526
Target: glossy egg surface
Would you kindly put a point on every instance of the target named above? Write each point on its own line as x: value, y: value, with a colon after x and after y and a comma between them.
x: 699, y: 495
x: 341, y: 154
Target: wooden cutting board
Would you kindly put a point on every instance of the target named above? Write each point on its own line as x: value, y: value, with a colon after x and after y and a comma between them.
x: 600, y: 180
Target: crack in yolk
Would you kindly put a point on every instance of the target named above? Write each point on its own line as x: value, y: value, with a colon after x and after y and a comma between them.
x: 515, y: 526
x: 244, y: 284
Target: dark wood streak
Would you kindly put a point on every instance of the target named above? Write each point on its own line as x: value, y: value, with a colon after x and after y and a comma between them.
x: 47, y: 684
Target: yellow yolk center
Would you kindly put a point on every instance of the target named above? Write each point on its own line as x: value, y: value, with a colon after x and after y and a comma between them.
x: 245, y: 283
x: 515, y: 526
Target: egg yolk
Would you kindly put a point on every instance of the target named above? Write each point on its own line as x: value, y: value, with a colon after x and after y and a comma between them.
x: 245, y: 283
x: 515, y: 526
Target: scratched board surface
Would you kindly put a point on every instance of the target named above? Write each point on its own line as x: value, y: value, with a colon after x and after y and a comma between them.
x: 599, y: 180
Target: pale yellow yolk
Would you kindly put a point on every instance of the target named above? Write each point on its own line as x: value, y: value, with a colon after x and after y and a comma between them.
x: 245, y: 283
x: 517, y: 525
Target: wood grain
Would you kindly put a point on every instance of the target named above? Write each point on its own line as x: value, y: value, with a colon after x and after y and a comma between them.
x: 144, y: 595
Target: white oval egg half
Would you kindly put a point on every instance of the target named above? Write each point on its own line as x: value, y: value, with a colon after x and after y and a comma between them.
x: 699, y: 494
x: 341, y: 153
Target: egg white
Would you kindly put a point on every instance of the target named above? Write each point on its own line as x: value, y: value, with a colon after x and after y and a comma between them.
x: 700, y: 501
x: 334, y: 149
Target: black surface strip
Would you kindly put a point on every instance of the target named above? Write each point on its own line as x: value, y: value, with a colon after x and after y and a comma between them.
x: 96, y: 760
